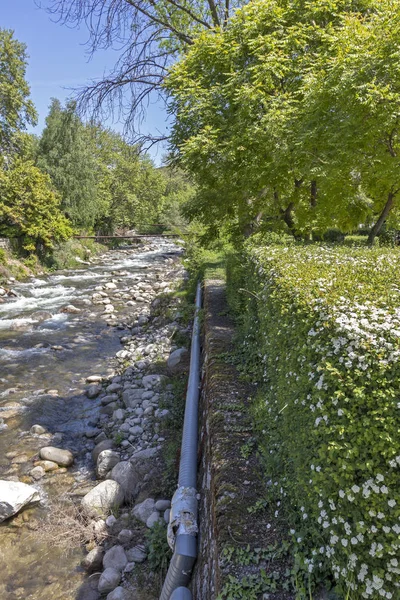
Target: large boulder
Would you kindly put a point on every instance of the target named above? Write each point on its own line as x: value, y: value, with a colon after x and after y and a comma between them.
x: 115, y: 557
x: 106, y: 460
x: 14, y: 495
x: 64, y: 458
x: 102, y: 498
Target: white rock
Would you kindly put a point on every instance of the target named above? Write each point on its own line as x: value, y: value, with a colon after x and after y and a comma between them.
x: 14, y: 495
x: 102, y: 498
x: 175, y: 357
x: 106, y: 460
x: 64, y: 458
x: 125, y: 536
x: 37, y: 473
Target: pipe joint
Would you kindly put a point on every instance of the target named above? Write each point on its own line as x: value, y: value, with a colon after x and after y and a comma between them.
x: 183, y: 515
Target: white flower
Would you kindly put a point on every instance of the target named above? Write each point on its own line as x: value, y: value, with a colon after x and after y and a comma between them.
x: 392, y: 503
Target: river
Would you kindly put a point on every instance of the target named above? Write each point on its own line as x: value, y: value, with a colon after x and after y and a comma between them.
x: 45, y: 357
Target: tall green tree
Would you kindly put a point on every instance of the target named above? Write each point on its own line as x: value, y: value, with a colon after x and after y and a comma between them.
x: 65, y: 151
x: 16, y: 109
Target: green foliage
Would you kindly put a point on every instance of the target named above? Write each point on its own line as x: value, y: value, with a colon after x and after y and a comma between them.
x: 16, y: 109
x: 321, y: 334
x: 65, y: 152
x: 271, y: 117
x: 159, y: 553
x: 29, y: 208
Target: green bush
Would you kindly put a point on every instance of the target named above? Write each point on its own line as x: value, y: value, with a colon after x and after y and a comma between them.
x: 321, y: 332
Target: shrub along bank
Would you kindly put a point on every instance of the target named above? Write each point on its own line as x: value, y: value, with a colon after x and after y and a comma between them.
x: 321, y: 334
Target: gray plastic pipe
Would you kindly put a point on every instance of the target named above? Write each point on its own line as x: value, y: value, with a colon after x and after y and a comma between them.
x: 182, y: 530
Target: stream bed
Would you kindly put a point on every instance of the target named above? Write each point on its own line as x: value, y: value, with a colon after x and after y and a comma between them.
x: 52, y: 337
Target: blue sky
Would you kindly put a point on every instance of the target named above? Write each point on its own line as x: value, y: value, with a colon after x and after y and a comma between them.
x: 58, y: 60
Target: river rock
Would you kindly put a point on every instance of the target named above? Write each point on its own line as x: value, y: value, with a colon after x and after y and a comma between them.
x: 48, y: 465
x: 125, y: 536
x: 93, y: 391
x: 14, y: 495
x: 119, y: 593
x: 64, y: 458
x: 106, y: 460
x: 176, y: 357
x: 128, y: 477
x: 113, y: 387
x: 153, y: 519
x: 150, y: 381
x: 137, y: 554
x: 70, y: 308
x: 104, y: 445
x: 104, y: 497
x: 162, y: 505
x: 115, y: 558
x: 94, y: 378
x: 94, y: 560
x: 109, y: 398
x: 37, y: 473
x: 131, y: 398
x: 109, y: 580
x: 37, y: 430
x: 109, y: 308
x: 144, y: 510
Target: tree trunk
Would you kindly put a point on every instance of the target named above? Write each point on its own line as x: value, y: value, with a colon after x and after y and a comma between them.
x: 382, y: 218
x: 287, y: 216
x: 313, y: 194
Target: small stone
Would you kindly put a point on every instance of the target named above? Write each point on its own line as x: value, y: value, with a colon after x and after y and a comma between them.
x: 94, y: 379
x: 94, y: 560
x: 162, y: 505
x: 125, y: 536
x: 70, y: 309
x: 48, y: 465
x: 110, y: 521
x: 136, y: 554
x: 153, y: 519
x: 37, y: 430
x: 93, y: 391
x: 106, y: 460
x: 167, y: 515
x: 119, y: 593
x: 64, y: 458
x: 109, y: 580
x: 144, y: 510
x: 104, y: 445
x: 37, y: 473
x: 176, y: 357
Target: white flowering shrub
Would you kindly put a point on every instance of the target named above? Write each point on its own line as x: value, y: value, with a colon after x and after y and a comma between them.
x: 322, y: 332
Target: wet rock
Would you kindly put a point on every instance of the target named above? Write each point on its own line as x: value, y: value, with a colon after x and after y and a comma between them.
x: 109, y: 580
x: 104, y: 497
x: 119, y: 593
x: 94, y: 379
x: 103, y: 445
x: 106, y: 460
x: 64, y: 458
x: 115, y: 558
x: 71, y: 309
x: 176, y: 357
x: 93, y: 391
x: 37, y: 473
x: 94, y: 560
x: 153, y: 519
x: 137, y: 554
x: 14, y: 495
x: 144, y: 510
x: 37, y: 430
x: 162, y: 505
x: 48, y: 465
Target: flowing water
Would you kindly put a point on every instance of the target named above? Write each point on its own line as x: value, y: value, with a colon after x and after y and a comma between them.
x: 45, y: 357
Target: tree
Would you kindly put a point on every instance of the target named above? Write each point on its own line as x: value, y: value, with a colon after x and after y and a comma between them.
x: 261, y: 133
x: 29, y: 208
x: 149, y: 36
x: 16, y: 109
x: 65, y: 151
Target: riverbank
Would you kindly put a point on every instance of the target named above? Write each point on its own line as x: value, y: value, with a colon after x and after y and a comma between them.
x: 128, y: 404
